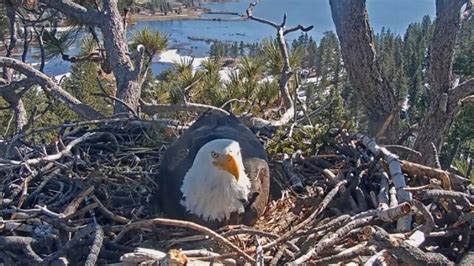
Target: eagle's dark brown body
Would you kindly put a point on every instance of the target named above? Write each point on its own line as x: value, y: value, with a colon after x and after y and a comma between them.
x: 180, y: 155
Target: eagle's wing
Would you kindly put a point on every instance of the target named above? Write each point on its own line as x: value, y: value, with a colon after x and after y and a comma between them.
x: 259, y: 174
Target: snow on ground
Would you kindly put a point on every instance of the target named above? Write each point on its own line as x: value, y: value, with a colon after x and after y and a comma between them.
x: 58, y: 78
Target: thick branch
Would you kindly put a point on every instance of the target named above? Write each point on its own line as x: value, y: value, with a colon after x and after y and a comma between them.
x: 462, y: 91
x: 52, y: 88
x: 71, y: 9
x: 14, y: 86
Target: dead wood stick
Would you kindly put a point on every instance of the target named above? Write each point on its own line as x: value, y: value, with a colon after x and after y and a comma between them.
x: 423, y: 187
x: 76, y: 239
x: 107, y: 213
x: 403, y: 148
x: 361, y: 199
x: 140, y: 255
x: 36, y: 210
x: 383, y: 196
x: 333, y: 223
x: 403, y: 223
x: 293, y: 177
x: 185, y: 224
x: 436, y: 194
x: 332, y: 239
x: 226, y: 258
x: 393, y: 213
x: 72, y: 207
x: 152, y: 109
x: 414, y: 169
x: 429, y: 220
x: 383, y: 257
x: 405, y: 252
x: 52, y: 157
x: 310, y: 218
x: 96, y: 246
x: 350, y: 253
x: 253, y: 231
x: 393, y: 197
x: 82, y: 211
x: 22, y: 243
x: 277, y: 257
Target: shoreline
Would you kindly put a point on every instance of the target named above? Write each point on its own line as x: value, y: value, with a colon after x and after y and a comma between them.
x: 141, y: 17
x: 193, y: 15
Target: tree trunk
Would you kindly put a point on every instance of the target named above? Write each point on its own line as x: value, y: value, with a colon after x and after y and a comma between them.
x: 434, y: 129
x: 444, y: 99
x: 127, y: 80
x: 365, y: 73
x: 128, y: 77
x: 11, y: 97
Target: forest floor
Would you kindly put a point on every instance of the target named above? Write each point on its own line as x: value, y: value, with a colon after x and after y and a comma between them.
x: 88, y: 197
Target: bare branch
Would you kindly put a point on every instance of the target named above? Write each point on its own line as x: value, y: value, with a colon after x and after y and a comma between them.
x: 261, y: 20
x: 299, y: 27
x: 52, y: 88
x: 286, y: 72
x: 284, y: 21
x: 49, y: 158
x: 152, y: 109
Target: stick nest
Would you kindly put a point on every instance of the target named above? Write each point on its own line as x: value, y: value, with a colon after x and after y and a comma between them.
x: 88, y: 197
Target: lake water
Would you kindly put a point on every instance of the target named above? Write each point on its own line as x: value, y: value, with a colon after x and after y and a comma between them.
x: 393, y: 14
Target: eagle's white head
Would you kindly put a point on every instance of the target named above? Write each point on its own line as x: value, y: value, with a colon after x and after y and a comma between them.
x: 216, y: 184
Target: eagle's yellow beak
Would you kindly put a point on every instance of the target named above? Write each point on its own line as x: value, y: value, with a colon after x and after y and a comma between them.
x: 229, y: 164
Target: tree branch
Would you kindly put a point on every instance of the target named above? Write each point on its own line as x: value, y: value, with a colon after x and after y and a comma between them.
x: 71, y: 9
x: 52, y: 88
x: 16, y: 85
x: 462, y: 91
x: 261, y: 20
x: 152, y: 109
x: 52, y: 157
x: 299, y: 27
x: 286, y: 72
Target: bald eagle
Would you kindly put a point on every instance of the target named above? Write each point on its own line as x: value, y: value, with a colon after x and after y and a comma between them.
x: 215, y: 174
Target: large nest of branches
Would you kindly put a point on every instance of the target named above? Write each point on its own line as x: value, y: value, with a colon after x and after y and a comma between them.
x: 88, y: 197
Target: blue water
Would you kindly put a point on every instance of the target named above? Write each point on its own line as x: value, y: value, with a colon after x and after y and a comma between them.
x: 393, y: 14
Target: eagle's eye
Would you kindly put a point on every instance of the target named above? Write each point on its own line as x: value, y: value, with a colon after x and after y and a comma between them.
x: 214, y: 154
